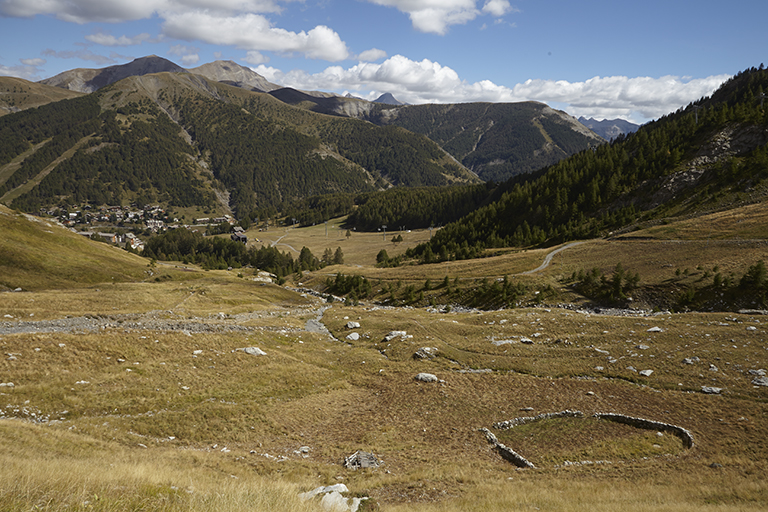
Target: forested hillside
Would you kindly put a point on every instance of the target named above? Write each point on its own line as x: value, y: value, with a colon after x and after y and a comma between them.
x: 710, y: 155
x: 494, y: 140
x: 182, y: 140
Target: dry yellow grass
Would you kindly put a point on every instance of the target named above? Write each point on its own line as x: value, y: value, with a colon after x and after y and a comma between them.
x: 141, y: 416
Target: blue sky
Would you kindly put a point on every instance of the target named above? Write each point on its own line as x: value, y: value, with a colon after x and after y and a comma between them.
x: 602, y: 59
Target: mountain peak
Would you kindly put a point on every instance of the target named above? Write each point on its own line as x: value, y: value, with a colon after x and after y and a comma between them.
x: 90, y: 80
x: 231, y: 72
x: 388, y: 99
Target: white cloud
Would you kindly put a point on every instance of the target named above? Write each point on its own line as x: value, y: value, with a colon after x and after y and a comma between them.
x: 114, y: 11
x: 497, y: 8
x: 436, y: 16
x: 190, y: 59
x: 255, y: 58
x: 28, y: 70
x: 372, y: 55
x: 33, y: 62
x: 84, y: 54
x: 105, y: 39
x: 254, y: 32
x: 639, y: 99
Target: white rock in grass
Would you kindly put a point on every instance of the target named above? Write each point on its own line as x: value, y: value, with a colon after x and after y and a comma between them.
x: 760, y: 381
x: 426, y: 377
x: 646, y: 373
x: 353, y: 325
x: 655, y: 329
x: 353, y: 336
x: 253, y: 351
x: 711, y: 390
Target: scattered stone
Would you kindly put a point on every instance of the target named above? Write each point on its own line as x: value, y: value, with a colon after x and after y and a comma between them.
x: 655, y: 329
x: 394, y: 334
x: 425, y: 353
x: 354, y: 336
x: 6, y: 384
x: 599, y: 368
x: 426, y: 377
x: 712, y: 367
x: 197, y: 352
x: 760, y: 373
x: 760, y: 381
x: 253, y: 351
x: 751, y: 328
x: 527, y: 341
x: 353, y: 325
x: 643, y: 347
x: 323, y: 490
x: 499, y: 343
x: 361, y: 460
x: 711, y: 390
x: 526, y: 409
x: 691, y: 360
x: 646, y: 373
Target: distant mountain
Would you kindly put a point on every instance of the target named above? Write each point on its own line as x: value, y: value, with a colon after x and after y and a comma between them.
x: 90, y: 80
x: 388, y: 99
x: 234, y: 74
x: 609, y: 128
x: 17, y: 94
x: 183, y: 140
x: 493, y: 140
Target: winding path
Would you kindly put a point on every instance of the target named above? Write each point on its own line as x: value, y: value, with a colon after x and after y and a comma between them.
x: 548, y: 258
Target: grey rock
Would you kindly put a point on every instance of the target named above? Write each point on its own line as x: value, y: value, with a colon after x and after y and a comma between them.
x: 426, y: 377
x: 711, y: 390
x: 646, y: 373
x: 353, y: 325
x: 760, y: 381
x: 253, y: 351
x: 691, y: 360
x: 655, y: 329
x: 353, y: 336
x: 425, y: 353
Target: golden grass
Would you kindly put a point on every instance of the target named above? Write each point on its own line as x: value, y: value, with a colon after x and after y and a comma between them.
x: 143, y: 417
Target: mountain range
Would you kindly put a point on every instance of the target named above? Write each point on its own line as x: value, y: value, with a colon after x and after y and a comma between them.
x: 228, y: 120
x: 609, y: 129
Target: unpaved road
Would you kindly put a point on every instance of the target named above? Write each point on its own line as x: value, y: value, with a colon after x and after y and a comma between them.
x: 548, y: 258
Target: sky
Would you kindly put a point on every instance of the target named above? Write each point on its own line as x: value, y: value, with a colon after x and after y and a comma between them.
x: 604, y: 59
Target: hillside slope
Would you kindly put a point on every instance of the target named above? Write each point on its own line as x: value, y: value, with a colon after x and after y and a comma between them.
x: 180, y: 139
x: 36, y: 254
x: 494, y: 140
x: 17, y: 94
x: 709, y: 156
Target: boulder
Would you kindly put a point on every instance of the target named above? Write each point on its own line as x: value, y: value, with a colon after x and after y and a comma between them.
x: 353, y: 325
x: 353, y: 336
x: 426, y: 377
x: 254, y: 351
x: 711, y: 390
x: 394, y: 334
x: 425, y: 353
x: 760, y: 381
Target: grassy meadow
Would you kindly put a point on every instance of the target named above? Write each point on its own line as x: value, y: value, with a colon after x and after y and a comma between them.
x: 158, y: 409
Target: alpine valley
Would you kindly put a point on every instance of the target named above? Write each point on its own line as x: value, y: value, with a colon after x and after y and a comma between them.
x: 222, y: 139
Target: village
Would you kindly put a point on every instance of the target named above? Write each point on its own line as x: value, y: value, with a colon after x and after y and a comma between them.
x: 124, y: 225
